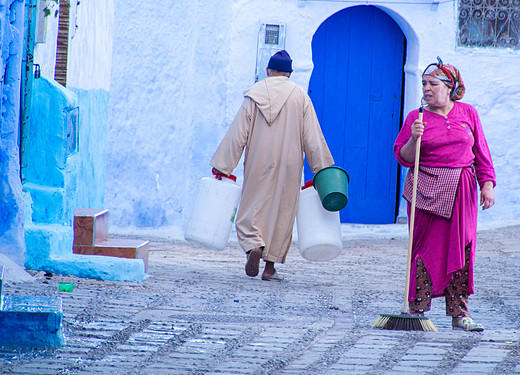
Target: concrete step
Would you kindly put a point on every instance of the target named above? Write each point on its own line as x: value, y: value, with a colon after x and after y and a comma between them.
x: 31, y: 322
x: 90, y: 226
x: 91, y: 237
x: 118, y: 247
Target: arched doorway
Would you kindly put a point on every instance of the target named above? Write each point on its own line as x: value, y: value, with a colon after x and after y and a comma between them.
x: 356, y: 87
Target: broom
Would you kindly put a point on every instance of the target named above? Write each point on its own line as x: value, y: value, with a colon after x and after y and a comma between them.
x: 403, y: 322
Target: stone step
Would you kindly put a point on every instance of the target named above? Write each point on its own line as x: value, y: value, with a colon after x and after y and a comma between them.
x: 118, y: 247
x: 90, y: 226
x: 91, y: 237
x: 31, y: 322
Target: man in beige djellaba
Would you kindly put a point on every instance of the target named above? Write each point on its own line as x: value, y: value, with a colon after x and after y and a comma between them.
x: 277, y: 125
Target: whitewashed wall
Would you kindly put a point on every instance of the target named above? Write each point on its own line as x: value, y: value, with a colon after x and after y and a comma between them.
x: 46, y: 38
x: 179, y: 70
x: 91, y: 44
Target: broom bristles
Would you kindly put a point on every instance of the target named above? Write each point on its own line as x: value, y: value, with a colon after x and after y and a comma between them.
x: 404, y: 323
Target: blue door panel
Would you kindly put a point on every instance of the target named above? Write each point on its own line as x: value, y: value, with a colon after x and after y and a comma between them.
x: 356, y: 84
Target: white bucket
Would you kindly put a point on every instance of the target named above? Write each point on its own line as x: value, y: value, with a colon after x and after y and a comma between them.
x: 213, y: 213
x: 319, y: 230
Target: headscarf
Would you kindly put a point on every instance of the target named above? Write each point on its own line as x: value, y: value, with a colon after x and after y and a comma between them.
x: 449, y: 75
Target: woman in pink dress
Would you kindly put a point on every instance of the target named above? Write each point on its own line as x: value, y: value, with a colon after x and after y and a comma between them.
x: 454, y: 158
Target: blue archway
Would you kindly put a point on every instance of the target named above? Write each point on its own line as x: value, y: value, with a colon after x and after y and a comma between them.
x: 356, y: 87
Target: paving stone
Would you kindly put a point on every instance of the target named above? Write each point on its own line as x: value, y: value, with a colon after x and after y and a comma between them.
x: 473, y: 368
x: 185, y: 318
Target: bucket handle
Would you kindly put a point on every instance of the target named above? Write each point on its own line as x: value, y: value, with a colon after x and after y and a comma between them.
x: 308, y: 184
x: 218, y: 175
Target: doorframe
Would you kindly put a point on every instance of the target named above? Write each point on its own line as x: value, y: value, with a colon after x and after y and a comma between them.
x: 412, y: 91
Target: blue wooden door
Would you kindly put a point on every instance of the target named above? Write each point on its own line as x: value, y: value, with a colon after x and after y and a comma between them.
x: 356, y: 88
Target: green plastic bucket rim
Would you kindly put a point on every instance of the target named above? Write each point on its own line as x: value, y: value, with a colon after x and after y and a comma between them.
x: 331, y: 167
x: 333, y: 198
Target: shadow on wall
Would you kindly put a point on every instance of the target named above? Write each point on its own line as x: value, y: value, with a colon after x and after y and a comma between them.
x: 11, y: 229
x: 149, y: 215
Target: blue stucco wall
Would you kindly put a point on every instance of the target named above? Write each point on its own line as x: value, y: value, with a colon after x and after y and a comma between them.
x: 11, y: 203
x: 47, y: 133
x: 50, y: 172
x: 50, y: 175
x: 92, y: 147
x: 61, y: 178
x: 65, y: 171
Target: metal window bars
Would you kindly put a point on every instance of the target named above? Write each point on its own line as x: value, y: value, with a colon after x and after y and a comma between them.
x: 489, y: 23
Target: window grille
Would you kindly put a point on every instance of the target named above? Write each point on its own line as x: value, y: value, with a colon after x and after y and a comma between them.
x: 271, y: 39
x: 60, y: 71
x: 489, y: 23
x: 272, y: 34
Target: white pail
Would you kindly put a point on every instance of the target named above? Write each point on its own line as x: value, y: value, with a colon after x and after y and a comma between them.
x: 213, y: 213
x: 319, y: 230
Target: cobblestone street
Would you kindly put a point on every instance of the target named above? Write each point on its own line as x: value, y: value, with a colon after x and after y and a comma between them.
x: 198, y: 313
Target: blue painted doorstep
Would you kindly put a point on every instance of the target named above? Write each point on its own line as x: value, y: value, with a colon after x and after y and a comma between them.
x: 30, y: 322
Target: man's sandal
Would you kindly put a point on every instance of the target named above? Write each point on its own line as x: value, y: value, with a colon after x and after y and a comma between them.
x: 253, y: 261
x: 273, y: 277
x: 468, y: 324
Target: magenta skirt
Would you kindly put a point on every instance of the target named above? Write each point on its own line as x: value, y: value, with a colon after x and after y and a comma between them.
x: 440, y: 242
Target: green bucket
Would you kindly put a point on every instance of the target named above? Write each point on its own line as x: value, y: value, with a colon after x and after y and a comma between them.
x: 332, y: 186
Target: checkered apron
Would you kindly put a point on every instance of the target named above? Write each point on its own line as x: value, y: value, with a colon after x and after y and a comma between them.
x: 436, y: 189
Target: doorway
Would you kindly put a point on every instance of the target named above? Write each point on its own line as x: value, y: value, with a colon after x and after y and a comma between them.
x: 357, y: 90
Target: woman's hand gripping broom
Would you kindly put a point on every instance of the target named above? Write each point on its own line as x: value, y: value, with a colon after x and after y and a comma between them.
x: 405, y: 322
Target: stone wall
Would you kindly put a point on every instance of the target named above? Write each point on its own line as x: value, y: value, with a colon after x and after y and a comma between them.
x: 11, y: 202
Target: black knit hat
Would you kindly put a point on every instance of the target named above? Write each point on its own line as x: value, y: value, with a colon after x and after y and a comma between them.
x: 280, y: 61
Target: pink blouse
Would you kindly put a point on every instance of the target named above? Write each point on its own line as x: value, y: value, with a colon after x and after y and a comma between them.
x: 452, y: 141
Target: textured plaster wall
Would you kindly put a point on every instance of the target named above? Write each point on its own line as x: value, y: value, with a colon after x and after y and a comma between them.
x: 88, y: 80
x: 90, y: 49
x: 168, y: 104
x: 179, y: 71
x: 11, y: 202
x: 93, y: 132
x: 88, y: 76
x: 60, y: 178
x: 61, y: 181
x: 47, y: 39
x: 51, y: 170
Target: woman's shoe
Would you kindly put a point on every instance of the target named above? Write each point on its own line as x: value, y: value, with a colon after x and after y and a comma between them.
x: 468, y: 324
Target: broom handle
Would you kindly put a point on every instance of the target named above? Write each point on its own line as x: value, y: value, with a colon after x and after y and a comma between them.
x: 412, y: 216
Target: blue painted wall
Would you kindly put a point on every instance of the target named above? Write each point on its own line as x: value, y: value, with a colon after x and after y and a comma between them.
x: 50, y: 172
x: 11, y: 203
x: 92, y: 147
x: 66, y: 170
